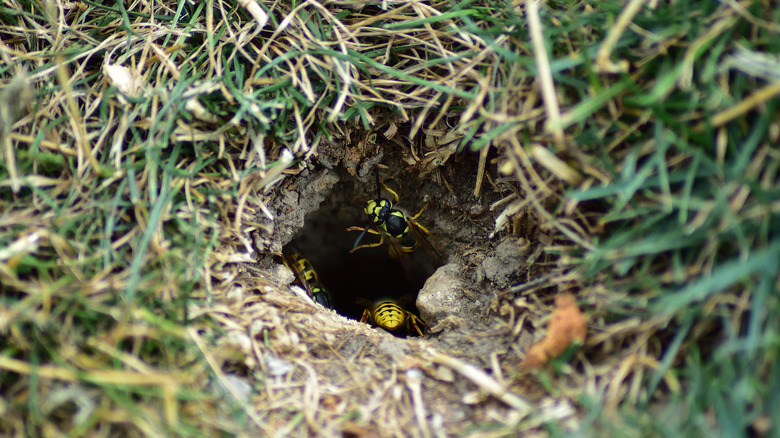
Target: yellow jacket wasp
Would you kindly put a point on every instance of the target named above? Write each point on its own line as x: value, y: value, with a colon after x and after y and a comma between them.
x: 307, y: 277
x: 389, y: 315
x: 402, y: 231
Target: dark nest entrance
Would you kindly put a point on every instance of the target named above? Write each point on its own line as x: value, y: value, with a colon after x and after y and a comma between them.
x: 460, y: 302
x: 357, y: 279
x: 330, y: 201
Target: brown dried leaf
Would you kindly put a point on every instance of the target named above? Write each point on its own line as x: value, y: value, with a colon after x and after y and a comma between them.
x: 567, y: 325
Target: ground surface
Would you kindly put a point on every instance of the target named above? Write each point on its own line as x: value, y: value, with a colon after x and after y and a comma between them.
x: 315, y: 208
x: 602, y: 178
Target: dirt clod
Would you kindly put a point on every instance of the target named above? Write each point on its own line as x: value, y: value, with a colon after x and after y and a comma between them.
x: 440, y: 297
x: 500, y: 268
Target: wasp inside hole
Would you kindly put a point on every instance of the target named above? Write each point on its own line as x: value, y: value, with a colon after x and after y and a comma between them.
x: 307, y: 277
x: 405, y: 235
x: 391, y: 316
x: 403, y: 232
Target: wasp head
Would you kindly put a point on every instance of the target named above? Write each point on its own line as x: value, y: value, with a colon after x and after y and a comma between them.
x: 378, y: 210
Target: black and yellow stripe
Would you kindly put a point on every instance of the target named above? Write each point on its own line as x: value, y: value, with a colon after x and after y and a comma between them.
x: 305, y: 267
x: 403, y: 230
x: 389, y: 315
x: 307, y: 278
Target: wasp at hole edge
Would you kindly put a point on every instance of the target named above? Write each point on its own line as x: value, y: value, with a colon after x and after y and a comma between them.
x: 307, y: 277
x: 391, y: 316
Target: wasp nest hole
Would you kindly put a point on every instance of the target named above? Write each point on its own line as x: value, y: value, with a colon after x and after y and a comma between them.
x: 456, y: 295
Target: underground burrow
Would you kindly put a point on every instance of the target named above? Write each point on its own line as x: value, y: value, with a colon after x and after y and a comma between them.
x: 354, y: 280
x: 320, y: 206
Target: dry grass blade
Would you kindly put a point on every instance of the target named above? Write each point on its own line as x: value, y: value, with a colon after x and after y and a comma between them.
x: 482, y: 380
x: 543, y: 65
x: 158, y: 156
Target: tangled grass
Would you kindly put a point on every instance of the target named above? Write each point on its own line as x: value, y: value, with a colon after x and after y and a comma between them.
x: 143, y: 142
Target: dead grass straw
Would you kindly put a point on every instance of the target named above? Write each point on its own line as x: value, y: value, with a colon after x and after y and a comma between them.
x: 138, y: 183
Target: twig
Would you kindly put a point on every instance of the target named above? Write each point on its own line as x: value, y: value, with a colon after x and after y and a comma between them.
x: 758, y: 97
x: 414, y: 382
x: 479, y: 378
x: 603, y: 63
x: 545, y: 73
x: 215, y: 367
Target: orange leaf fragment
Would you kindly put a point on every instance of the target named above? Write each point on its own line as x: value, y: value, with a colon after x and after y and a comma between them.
x: 566, y: 326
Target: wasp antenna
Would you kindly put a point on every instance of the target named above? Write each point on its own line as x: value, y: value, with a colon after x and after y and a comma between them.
x: 360, y: 237
x: 378, y: 189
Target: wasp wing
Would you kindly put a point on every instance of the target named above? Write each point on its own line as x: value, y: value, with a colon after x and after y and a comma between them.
x: 397, y: 251
x: 434, y: 249
x: 291, y: 258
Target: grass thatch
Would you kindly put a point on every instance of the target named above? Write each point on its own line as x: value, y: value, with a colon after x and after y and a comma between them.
x: 144, y: 145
